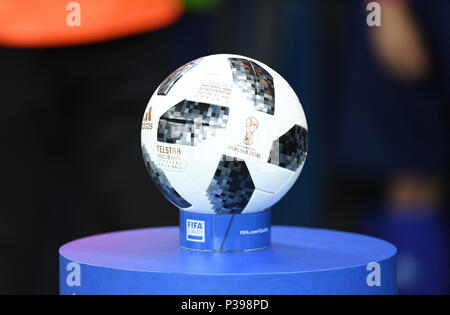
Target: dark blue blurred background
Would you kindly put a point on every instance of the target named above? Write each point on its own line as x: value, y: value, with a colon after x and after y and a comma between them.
x: 376, y: 100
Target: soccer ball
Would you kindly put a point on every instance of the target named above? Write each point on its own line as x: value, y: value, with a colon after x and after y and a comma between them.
x: 224, y: 134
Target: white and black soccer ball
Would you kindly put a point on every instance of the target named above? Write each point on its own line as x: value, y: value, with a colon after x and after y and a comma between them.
x: 224, y: 134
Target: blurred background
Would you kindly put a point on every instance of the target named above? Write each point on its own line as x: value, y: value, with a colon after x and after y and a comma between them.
x: 72, y: 98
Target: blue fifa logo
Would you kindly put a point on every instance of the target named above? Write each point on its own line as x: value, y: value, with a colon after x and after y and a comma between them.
x: 195, y: 230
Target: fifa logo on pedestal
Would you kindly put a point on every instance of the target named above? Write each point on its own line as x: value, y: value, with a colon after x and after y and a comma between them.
x: 195, y: 230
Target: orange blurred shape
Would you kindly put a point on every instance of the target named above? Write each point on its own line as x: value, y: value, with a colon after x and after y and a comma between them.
x: 43, y: 23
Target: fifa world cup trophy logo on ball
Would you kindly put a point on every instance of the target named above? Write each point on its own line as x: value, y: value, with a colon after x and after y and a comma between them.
x: 251, y: 125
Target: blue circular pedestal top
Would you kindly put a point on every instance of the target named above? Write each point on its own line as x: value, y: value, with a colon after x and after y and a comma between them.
x: 299, y: 261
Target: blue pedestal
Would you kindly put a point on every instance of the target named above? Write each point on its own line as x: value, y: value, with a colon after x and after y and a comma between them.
x: 299, y: 261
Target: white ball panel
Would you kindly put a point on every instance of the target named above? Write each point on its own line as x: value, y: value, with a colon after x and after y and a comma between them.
x: 259, y: 201
x: 187, y: 189
x: 268, y: 177
x: 288, y: 185
x: 204, y: 161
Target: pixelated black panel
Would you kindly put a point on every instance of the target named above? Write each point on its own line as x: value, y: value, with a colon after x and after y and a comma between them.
x: 189, y: 123
x: 244, y: 76
x: 265, y: 92
x: 162, y: 182
x: 231, y: 187
x: 289, y: 151
x: 167, y: 84
x: 255, y: 82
